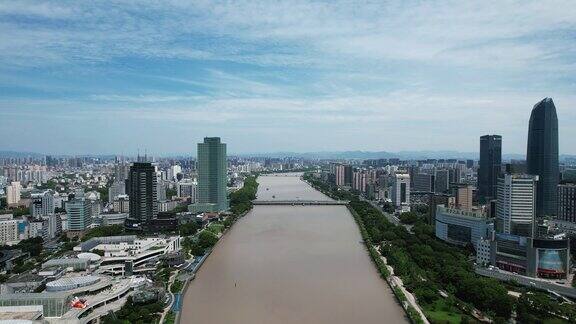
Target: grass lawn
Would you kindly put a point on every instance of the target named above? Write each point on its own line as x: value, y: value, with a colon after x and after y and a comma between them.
x: 215, y: 228
x: 439, y: 312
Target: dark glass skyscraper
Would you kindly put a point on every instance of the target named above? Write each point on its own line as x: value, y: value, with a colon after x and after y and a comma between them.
x: 542, y: 155
x: 490, y: 165
x: 141, y: 188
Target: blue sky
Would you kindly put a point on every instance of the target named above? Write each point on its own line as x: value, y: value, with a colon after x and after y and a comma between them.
x: 113, y: 76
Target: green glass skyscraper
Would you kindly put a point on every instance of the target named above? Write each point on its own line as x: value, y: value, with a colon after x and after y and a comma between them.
x: 212, y: 176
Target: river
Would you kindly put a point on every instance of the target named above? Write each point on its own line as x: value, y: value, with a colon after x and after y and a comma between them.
x: 290, y: 264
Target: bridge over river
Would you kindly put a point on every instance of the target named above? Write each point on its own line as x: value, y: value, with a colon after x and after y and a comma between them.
x: 301, y: 202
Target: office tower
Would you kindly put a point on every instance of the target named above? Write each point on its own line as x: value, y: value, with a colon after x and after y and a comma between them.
x: 13, y: 193
x: 141, y: 190
x: 567, y: 202
x: 79, y: 213
x: 542, y: 155
x: 464, y: 196
x: 424, y: 182
x: 490, y: 165
x: 515, y: 207
x: 42, y: 203
x: 400, y: 191
x: 212, y: 175
x: 441, y: 181
x: 469, y: 164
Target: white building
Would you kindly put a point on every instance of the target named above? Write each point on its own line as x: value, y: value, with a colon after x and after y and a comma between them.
x: 126, y: 255
x: 175, y: 170
x: 187, y: 189
x: 483, y: 252
x: 458, y: 226
x: 13, y: 193
x: 400, y: 191
x: 42, y: 203
x: 167, y: 205
x: 121, y: 204
x: 9, y: 233
x: 515, y: 206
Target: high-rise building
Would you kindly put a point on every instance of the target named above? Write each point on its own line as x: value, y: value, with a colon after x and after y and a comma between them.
x: 490, y: 165
x: 441, y: 181
x: 464, y: 197
x: 142, y: 192
x: 400, y: 191
x: 212, y: 176
x: 339, y: 175
x: 567, y: 202
x: 42, y: 203
x: 348, y: 175
x: 13, y: 193
x: 51, y: 227
x: 515, y: 207
x: 79, y: 211
x: 542, y: 155
x: 424, y: 182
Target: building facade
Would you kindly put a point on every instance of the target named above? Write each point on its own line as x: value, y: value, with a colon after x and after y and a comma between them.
x: 490, y: 165
x: 42, y: 203
x: 566, y: 202
x: 461, y: 227
x: 542, y: 155
x: 400, y: 191
x: 13, y: 193
x: 79, y: 212
x: 141, y: 188
x: 212, y: 176
x: 515, y: 207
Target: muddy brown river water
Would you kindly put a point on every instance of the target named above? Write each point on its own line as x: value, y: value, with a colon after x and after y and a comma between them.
x: 290, y: 264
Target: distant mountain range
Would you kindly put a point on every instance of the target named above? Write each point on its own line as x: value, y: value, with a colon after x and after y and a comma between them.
x: 335, y: 155
x: 15, y: 154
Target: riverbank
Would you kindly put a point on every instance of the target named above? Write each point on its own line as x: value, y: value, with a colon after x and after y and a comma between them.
x: 439, y: 275
x: 241, y: 203
x: 404, y: 298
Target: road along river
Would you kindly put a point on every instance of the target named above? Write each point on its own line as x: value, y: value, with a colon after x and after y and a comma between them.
x: 290, y: 264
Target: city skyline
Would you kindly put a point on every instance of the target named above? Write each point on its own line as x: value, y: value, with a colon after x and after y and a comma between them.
x: 351, y: 76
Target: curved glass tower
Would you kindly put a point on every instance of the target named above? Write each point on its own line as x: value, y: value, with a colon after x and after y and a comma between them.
x: 542, y: 155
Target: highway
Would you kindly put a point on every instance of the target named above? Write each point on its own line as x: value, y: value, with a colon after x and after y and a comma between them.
x: 528, y: 282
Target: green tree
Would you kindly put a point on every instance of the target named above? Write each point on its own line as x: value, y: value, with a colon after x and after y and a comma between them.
x: 207, y: 239
x: 188, y: 229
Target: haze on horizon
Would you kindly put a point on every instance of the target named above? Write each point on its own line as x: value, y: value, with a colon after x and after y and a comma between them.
x: 301, y: 76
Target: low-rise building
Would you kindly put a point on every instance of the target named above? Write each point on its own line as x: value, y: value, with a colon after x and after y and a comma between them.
x: 461, y: 227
